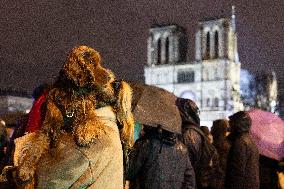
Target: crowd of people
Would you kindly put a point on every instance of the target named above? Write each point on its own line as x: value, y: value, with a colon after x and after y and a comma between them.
x: 79, y: 134
x: 236, y: 164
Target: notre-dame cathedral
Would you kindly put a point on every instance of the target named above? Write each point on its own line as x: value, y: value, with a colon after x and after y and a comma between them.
x: 212, y: 80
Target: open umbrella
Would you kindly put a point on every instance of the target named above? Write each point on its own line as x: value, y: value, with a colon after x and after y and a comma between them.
x: 267, y: 131
x: 154, y: 106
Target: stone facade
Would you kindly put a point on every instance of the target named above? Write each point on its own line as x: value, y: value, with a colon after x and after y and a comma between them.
x: 166, y: 44
x: 14, y: 104
x: 212, y: 80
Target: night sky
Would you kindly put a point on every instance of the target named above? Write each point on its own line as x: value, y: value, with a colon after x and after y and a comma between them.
x: 36, y: 36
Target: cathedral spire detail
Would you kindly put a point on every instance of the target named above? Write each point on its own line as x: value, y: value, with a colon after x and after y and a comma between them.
x: 234, y: 18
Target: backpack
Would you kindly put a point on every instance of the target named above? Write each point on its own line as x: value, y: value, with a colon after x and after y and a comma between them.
x: 208, y: 171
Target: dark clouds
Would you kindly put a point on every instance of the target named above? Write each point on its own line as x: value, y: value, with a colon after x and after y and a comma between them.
x: 35, y: 36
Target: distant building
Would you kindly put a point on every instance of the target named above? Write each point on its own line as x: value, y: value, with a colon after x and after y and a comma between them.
x: 212, y: 80
x: 14, y: 101
x: 260, y: 90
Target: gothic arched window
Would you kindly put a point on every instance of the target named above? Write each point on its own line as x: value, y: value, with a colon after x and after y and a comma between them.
x: 207, y: 45
x: 159, y: 48
x: 205, y: 75
x: 216, y: 74
x: 216, y: 102
x: 185, y: 76
x: 208, y: 102
x: 167, y: 50
x: 216, y: 45
x: 158, y: 79
x: 150, y: 55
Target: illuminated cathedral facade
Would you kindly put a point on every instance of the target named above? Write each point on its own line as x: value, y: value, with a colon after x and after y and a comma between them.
x: 212, y: 80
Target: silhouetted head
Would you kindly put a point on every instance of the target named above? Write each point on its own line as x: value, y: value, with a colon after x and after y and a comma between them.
x: 189, y: 111
x: 39, y: 90
x: 205, y: 130
x: 240, y: 122
x: 219, y: 128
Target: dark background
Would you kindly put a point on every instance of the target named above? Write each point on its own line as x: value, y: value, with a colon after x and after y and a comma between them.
x: 36, y: 35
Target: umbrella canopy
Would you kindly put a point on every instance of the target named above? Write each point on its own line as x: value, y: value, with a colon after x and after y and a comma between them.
x: 267, y: 131
x: 155, y: 106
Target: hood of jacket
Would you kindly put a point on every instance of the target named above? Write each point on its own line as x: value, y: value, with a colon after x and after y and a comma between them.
x: 189, y: 111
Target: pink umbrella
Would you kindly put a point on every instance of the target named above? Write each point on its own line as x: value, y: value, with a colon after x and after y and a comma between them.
x: 267, y: 131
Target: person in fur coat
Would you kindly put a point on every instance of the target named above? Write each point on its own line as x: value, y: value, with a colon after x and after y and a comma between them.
x: 88, y: 120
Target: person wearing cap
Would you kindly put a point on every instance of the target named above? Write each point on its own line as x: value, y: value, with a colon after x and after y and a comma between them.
x: 242, y: 164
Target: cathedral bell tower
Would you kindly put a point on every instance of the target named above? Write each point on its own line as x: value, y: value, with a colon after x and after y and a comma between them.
x: 212, y: 80
x: 217, y: 38
x: 216, y: 50
x: 166, y: 45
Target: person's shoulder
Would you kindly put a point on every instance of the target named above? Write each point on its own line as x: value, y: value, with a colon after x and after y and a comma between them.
x: 180, y: 146
x: 244, y: 140
x: 195, y: 132
x: 192, y: 129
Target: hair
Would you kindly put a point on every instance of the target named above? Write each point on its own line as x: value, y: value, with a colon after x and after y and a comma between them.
x: 219, y: 127
x: 240, y: 122
x: 205, y: 130
x: 124, y: 114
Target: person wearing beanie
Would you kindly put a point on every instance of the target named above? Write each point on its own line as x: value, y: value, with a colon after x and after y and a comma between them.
x: 242, y: 164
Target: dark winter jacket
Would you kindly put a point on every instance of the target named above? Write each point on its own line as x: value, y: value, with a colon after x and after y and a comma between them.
x: 242, y: 164
x: 222, y: 146
x: 205, y: 159
x: 193, y: 141
x: 156, y: 165
x: 3, y: 140
x: 19, y: 131
x: 221, y: 143
x: 268, y: 173
x: 189, y: 113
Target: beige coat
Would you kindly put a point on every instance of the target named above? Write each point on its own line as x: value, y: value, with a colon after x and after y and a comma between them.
x: 99, y: 166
